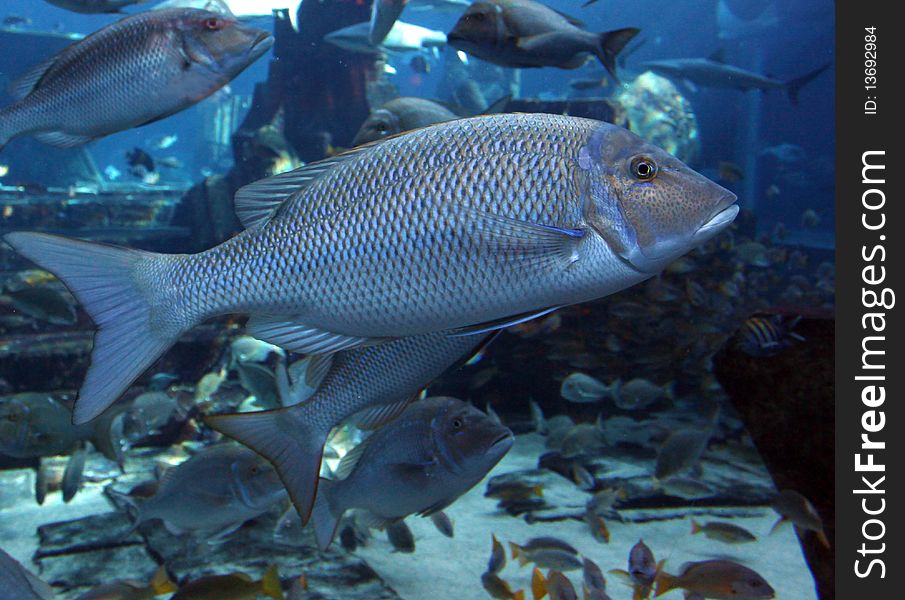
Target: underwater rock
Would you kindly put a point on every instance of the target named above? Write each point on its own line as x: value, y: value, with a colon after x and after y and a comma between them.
x: 657, y: 112
x: 786, y: 401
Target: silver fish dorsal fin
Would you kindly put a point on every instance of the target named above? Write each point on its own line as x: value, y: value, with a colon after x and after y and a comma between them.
x: 257, y: 202
x: 24, y: 85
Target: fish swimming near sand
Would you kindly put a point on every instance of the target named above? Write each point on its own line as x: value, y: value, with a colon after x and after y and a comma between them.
x: 214, y: 492
x: 420, y: 463
x: 374, y: 383
x: 457, y: 227
x: 104, y: 83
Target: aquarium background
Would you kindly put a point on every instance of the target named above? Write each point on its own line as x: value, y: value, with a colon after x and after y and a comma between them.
x: 687, y: 333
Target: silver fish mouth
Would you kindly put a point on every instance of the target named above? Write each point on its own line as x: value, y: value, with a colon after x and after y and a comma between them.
x: 724, y: 214
x: 505, y: 438
x: 262, y: 43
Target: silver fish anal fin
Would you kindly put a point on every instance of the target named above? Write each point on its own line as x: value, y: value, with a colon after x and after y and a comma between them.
x: 298, y: 337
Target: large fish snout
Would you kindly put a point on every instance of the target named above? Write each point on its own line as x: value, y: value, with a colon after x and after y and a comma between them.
x: 223, y: 43
x: 649, y: 206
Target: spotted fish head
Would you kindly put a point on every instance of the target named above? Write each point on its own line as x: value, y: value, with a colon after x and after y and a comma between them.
x: 220, y: 43
x: 648, y: 205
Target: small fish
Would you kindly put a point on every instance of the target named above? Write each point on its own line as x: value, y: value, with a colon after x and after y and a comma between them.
x: 401, y: 114
x: 546, y: 552
x: 166, y: 141
x: 140, y: 161
x: 170, y: 162
x: 810, y: 219
x: 582, y: 477
x: 72, y: 475
x: 684, y: 487
x: 599, y: 530
x: 555, y: 584
x: 717, y: 579
x: 730, y: 172
x: 420, y: 463
x: 537, y: 417
x: 208, y: 385
x: 214, y: 492
x: 585, y: 439
x: 245, y: 349
x: 499, y: 588
x: 151, y: 411
x: 183, y: 54
x: 525, y: 34
x: 765, y: 336
x: 41, y: 483
x: 696, y: 294
x: 420, y: 64
x: 497, y: 560
x: 401, y: 537
x: 593, y: 581
x: 44, y: 304
x: 236, y: 586
x: 16, y: 21
x: 259, y: 381
x: 640, y: 393
x: 642, y: 567
x: 723, y: 532
x: 772, y: 191
x: 582, y: 388
x: 133, y: 590
x: 602, y: 502
x: 681, y: 451
x: 752, y: 253
x: 512, y: 490
x: 792, y: 506
x: 589, y: 83
x: 443, y: 523
x: 18, y: 583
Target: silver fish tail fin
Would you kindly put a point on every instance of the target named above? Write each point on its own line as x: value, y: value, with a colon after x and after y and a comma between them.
x: 793, y: 86
x: 326, y: 519
x: 287, y: 439
x: 104, y: 280
x: 610, y: 43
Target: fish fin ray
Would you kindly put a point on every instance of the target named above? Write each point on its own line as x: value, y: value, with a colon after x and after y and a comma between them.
x: 489, y: 326
x: 293, y: 444
x: 31, y: 79
x: 378, y: 416
x: 102, y: 278
x: 514, y: 240
x: 298, y: 337
x: 62, y: 140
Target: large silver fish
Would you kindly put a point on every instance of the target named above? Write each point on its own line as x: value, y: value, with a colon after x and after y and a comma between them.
x: 138, y: 70
x: 525, y: 34
x: 421, y: 463
x: 215, y: 492
x: 380, y: 380
x: 472, y: 225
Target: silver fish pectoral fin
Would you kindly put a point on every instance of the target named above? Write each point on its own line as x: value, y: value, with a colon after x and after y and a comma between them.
x: 520, y: 242
x: 293, y: 335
